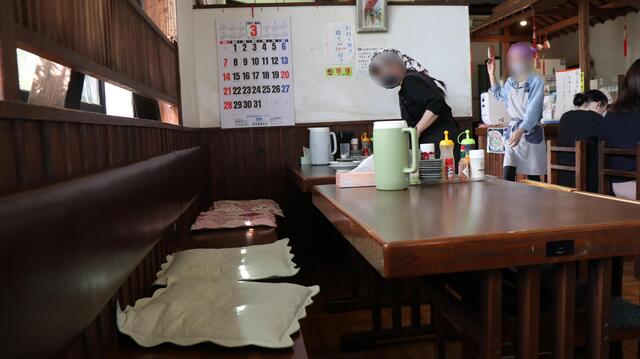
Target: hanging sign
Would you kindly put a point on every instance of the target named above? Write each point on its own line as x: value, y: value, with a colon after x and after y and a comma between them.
x: 255, y: 74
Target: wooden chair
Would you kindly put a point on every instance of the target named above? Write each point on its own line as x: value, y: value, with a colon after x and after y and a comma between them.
x: 605, y: 174
x: 579, y: 168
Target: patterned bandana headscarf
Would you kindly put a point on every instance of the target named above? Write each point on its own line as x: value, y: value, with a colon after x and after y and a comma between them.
x: 409, y: 63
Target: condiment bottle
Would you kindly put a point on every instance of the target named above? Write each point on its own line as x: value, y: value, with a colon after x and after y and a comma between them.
x: 464, y: 170
x: 468, y: 142
x: 427, y: 151
x: 355, y: 148
x: 366, y: 142
x: 450, y: 170
x: 446, y: 149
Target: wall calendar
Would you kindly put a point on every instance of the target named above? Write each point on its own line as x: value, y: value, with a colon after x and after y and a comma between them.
x: 255, y: 73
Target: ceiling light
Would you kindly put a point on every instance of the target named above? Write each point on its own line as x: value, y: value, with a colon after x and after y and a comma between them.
x: 523, y: 23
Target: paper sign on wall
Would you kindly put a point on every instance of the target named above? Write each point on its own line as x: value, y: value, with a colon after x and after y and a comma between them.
x: 339, y: 49
x: 363, y: 58
x: 255, y: 73
x: 568, y: 83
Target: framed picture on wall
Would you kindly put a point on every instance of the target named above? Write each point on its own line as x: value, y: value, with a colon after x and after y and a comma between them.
x: 371, y: 15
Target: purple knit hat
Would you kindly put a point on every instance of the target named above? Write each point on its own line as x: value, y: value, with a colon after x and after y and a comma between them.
x: 523, y: 48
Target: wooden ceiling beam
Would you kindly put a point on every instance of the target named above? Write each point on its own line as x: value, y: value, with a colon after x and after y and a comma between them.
x: 594, y: 12
x: 500, y: 38
x: 543, y: 5
x: 622, y: 4
x: 496, y: 25
x: 559, y: 25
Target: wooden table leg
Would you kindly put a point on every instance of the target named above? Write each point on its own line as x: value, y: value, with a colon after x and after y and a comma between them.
x: 374, y: 294
x: 396, y: 304
x: 564, y: 294
x: 528, y: 312
x: 491, y: 341
x: 415, y: 304
x: 599, y: 308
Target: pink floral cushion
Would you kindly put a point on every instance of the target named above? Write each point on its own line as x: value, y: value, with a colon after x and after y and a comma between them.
x: 248, y: 206
x: 215, y: 219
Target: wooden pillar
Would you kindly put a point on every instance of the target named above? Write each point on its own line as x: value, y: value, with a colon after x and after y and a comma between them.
x: 504, y: 47
x: 9, y: 86
x: 583, y: 39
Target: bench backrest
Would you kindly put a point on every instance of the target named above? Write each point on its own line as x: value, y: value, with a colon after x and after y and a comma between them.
x: 66, y: 249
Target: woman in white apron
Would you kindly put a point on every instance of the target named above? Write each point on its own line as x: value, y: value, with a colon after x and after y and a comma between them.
x: 523, y: 94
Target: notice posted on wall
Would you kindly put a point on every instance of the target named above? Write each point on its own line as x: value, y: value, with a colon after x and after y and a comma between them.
x: 568, y: 83
x: 363, y: 59
x: 339, y: 50
x: 255, y: 73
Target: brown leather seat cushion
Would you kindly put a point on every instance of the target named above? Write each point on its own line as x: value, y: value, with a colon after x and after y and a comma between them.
x: 129, y: 349
x: 228, y: 238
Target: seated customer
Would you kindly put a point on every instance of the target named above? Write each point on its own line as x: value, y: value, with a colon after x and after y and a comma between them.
x: 582, y: 124
x: 620, y: 128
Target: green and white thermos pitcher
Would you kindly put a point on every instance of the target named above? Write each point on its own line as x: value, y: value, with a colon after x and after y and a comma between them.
x: 391, y: 164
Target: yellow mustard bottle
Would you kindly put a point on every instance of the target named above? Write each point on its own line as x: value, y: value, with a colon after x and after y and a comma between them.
x: 446, y: 147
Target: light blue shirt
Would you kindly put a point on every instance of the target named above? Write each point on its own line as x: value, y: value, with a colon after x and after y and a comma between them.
x: 524, y: 101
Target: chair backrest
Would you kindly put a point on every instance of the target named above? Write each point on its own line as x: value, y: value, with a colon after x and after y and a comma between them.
x: 605, y: 173
x: 579, y: 168
x: 67, y: 248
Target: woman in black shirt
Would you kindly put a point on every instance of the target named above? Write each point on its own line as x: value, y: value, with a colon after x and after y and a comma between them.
x: 422, y: 98
x: 620, y: 128
x: 582, y: 124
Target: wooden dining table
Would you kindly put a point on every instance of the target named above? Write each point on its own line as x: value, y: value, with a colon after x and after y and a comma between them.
x: 487, y: 226
x: 307, y: 176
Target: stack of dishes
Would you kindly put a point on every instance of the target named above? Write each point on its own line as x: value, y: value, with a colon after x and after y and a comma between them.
x: 430, y: 171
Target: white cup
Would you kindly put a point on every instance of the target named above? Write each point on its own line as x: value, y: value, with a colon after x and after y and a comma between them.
x: 477, y: 163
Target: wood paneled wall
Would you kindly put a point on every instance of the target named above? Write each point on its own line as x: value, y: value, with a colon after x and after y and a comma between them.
x: 110, y: 39
x: 253, y: 163
x: 40, y: 146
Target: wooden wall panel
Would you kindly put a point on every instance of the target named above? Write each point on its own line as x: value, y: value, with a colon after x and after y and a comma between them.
x: 110, y: 39
x: 35, y: 151
x: 253, y: 163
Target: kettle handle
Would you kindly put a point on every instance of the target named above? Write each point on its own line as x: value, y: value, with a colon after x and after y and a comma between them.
x: 334, y: 141
x: 413, y: 135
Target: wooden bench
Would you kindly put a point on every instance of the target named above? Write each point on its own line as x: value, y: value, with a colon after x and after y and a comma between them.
x: 72, y: 250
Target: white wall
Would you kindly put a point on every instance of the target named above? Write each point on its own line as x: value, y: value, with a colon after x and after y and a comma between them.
x: 605, y: 47
x: 422, y: 29
x: 186, y: 55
